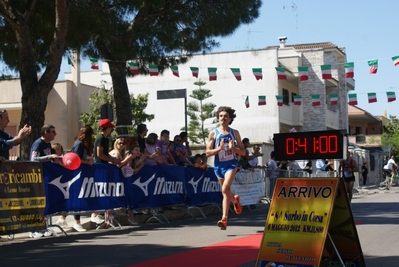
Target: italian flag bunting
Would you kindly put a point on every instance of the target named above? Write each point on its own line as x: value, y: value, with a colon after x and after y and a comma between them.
x: 175, y: 70
x: 70, y: 62
x: 297, y: 100
x: 326, y: 71
x: 333, y: 99
x: 373, y: 66
x: 303, y: 73
x: 94, y: 63
x: 258, y: 73
x: 247, y: 102
x: 316, y: 100
x: 133, y: 67
x: 391, y: 96
x: 349, y: 69
x: 236, y: 72
x: 194, y: 71
x: 281, y: 73
x: 153, y: 68
x: 261, y: 100
x: 395, y: 60
x: 372, y: 97
x: 352, y: 99
x: 279, y: 100
x: 212, y: 74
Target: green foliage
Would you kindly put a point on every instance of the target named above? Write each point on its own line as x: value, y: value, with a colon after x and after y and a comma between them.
x: 390, y: 137
x: 103, y: 96
x: 198, y: 112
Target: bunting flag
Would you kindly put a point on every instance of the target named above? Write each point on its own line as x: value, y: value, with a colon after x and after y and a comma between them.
x: 153, y: 68
x: 70, y: 62
x: 194, y: 71
x: 372, y: 97
x: 303, y: 73
x: 279, y: 100
x: 175, y: 70
x: 212, y: 74
x: 326, y: 72
x: 297, y: 100
x: 395, y: 60
x: 349, y: 69
x: 133, y: 67
x: 352, y: 99
x: 94, y: 63
x: 236, y: 73
x: 391, y: 96
x: 373, y: 66
x: 333, y: 99
x: 247, y: 102
x: 261, y: 100
x: 281, y: 73
x: 316, y: 100
x: 258, y: 73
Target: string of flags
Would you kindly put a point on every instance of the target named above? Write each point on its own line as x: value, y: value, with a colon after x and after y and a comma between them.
x: 303, y: 71
x: 352, y: 99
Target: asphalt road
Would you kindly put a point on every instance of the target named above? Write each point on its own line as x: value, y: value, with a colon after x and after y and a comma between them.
x: 377, y: 211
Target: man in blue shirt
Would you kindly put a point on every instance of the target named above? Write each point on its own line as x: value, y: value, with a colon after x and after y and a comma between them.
x: 6, y: 140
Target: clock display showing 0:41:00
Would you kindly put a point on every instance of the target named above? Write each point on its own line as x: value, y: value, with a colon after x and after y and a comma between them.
x: 309, y: 145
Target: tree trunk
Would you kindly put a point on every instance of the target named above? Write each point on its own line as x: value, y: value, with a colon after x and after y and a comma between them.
x: 121, y: 92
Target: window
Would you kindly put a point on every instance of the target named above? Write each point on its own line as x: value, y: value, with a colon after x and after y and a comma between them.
x: 286, y: 97
x: 358, y: 130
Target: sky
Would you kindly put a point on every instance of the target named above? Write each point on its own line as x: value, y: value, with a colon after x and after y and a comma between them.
x: 366, y: 29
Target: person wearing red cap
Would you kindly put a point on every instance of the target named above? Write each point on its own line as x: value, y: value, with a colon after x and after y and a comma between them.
x: 101, y: 144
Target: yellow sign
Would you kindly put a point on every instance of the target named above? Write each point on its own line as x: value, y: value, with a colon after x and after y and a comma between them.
x: 297, y: 223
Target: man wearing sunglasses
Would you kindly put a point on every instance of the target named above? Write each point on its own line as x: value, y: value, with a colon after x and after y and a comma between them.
x: 6, y: 140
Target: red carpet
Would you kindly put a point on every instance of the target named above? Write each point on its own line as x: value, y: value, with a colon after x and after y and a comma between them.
x: 231, y: 253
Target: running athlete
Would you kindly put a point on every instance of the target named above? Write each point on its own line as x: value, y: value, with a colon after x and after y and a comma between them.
x: 224, y: 143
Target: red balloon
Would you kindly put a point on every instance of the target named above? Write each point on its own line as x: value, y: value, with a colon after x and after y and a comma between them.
x: 71, y: 161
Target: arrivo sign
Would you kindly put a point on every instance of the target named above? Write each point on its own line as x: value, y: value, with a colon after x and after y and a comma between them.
x: 310, y: 145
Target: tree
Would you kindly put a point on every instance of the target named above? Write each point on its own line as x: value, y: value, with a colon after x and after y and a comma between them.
x: 390, y: 136
x: 32, y: 35
x: 103, y: 96
x: 198, y: 113
x: 154, y: 31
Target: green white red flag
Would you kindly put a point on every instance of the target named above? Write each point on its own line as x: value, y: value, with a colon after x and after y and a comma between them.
x: 316, y: 100
x: 326, y: 71
x: 297, y: 100
x: 133, y: 67
x: 70, y: 62
x: 279, y: 100
x: 94, y: 63
x: 258, y: 73
x: 237, y: 73
x: 303, y: 73
x: 395, y: 60
x: 153, y: 68
x: 373, y: 64
x: 333, y: 99
x: 372, y: 97
x: 212, y: 74
x: 349, y: 69
x: 391, y: 96
x: 247, y: 102
x: 175, y: 70
x: 261, y: 100
x: 352, y: 99
x: 281, y: 73
x: 194, y: 71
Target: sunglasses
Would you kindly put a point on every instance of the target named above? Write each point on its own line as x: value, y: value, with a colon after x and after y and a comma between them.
x: 121, y: 144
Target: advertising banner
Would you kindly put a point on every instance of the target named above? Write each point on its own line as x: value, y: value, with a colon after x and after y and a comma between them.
x: 22, y: 197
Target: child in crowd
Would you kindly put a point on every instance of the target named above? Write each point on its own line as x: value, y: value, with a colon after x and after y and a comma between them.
x: 162, y: 149
x: 199, y: 163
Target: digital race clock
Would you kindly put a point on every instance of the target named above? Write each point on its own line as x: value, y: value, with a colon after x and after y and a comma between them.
x: 310, y: 145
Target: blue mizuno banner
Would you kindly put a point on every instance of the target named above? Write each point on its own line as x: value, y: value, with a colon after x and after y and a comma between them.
x: 202, y: 187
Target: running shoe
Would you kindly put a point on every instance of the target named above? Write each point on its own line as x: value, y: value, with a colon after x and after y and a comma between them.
x: 222, y: 224
x: 237, y: 205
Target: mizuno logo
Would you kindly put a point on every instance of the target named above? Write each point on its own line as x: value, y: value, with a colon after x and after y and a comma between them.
x: 144, y: 185
x: 195, y: 184
x: 64, y: 187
